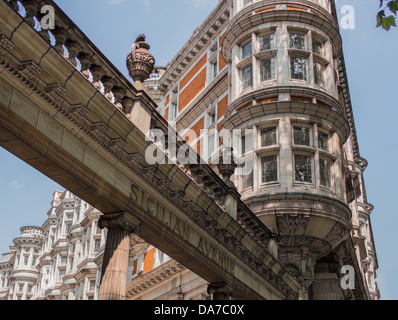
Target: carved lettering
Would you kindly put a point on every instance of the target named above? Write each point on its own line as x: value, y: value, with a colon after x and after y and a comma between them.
x: 179, y: 227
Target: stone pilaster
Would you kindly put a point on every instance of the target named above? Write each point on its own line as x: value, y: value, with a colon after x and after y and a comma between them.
x: 116, y: 256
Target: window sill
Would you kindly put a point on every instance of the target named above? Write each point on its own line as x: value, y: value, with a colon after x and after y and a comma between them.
x: 326, y: 189
x: 302, y: 53
x: 327, y: 155
x: 270, y: 184
x: 250, y: 189
x: 299, y: 81
x: 246, y: 91
x: 267, y: 82
x: 303, y: 184
x: 304, y: 149
x: 244, y: 62
x: 319, y: 58
x: 320, y: 87
x: 271, y: 53
x: 267, y: 150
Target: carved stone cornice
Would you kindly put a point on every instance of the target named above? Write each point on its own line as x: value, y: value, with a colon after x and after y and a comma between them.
x: 5, y: 44
x: 30, y: 68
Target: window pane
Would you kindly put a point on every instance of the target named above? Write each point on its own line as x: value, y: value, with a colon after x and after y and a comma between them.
x: 325, y: 168
x: 211, y: 144
x: 297, y: 41
x: 173, y: 112
x: 323, y: 141
x: 268, y: 137
x: 247, y: 75
x: 247, y: 142
x: 247, y: 50
x: 299, y: 68
x: 303, y: 168
x: 302, y: 136
x: 266, y: 42
x: 267, y: 69
x: 318, y: 74
x: 269, y: 167
x: 245, y: 2
x: 97, y: 245
x: 246, y: 172
x: 317, y: 47
x: 211, y: 119
x: 215, y: 70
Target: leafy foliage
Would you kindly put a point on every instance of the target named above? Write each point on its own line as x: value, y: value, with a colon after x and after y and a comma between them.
x: 384, y: 21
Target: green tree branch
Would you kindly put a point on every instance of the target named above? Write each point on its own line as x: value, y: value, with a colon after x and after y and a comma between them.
x: 384, y: 21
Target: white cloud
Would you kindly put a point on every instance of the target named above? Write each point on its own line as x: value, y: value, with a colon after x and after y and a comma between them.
x: 15, y: 184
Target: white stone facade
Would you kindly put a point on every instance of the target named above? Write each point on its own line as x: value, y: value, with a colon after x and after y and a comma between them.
x: 62, y: 260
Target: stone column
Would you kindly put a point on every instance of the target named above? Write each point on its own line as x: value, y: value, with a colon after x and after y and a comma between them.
x: 220, y: 291
x: 116, y: 256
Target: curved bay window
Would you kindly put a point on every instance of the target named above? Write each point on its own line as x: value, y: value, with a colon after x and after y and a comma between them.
x: 312, y: 150
x: 257, y: 59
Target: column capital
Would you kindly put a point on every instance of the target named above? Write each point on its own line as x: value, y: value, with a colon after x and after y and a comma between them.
x: 118, y: 221
x: 220, y: 291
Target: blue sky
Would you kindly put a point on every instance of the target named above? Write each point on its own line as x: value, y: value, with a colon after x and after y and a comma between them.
x: 113, y: 25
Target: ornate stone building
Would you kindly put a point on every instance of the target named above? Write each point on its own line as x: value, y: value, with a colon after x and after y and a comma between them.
x: 62, y: 260
x: 267, y: 78
x: 272, y: 73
